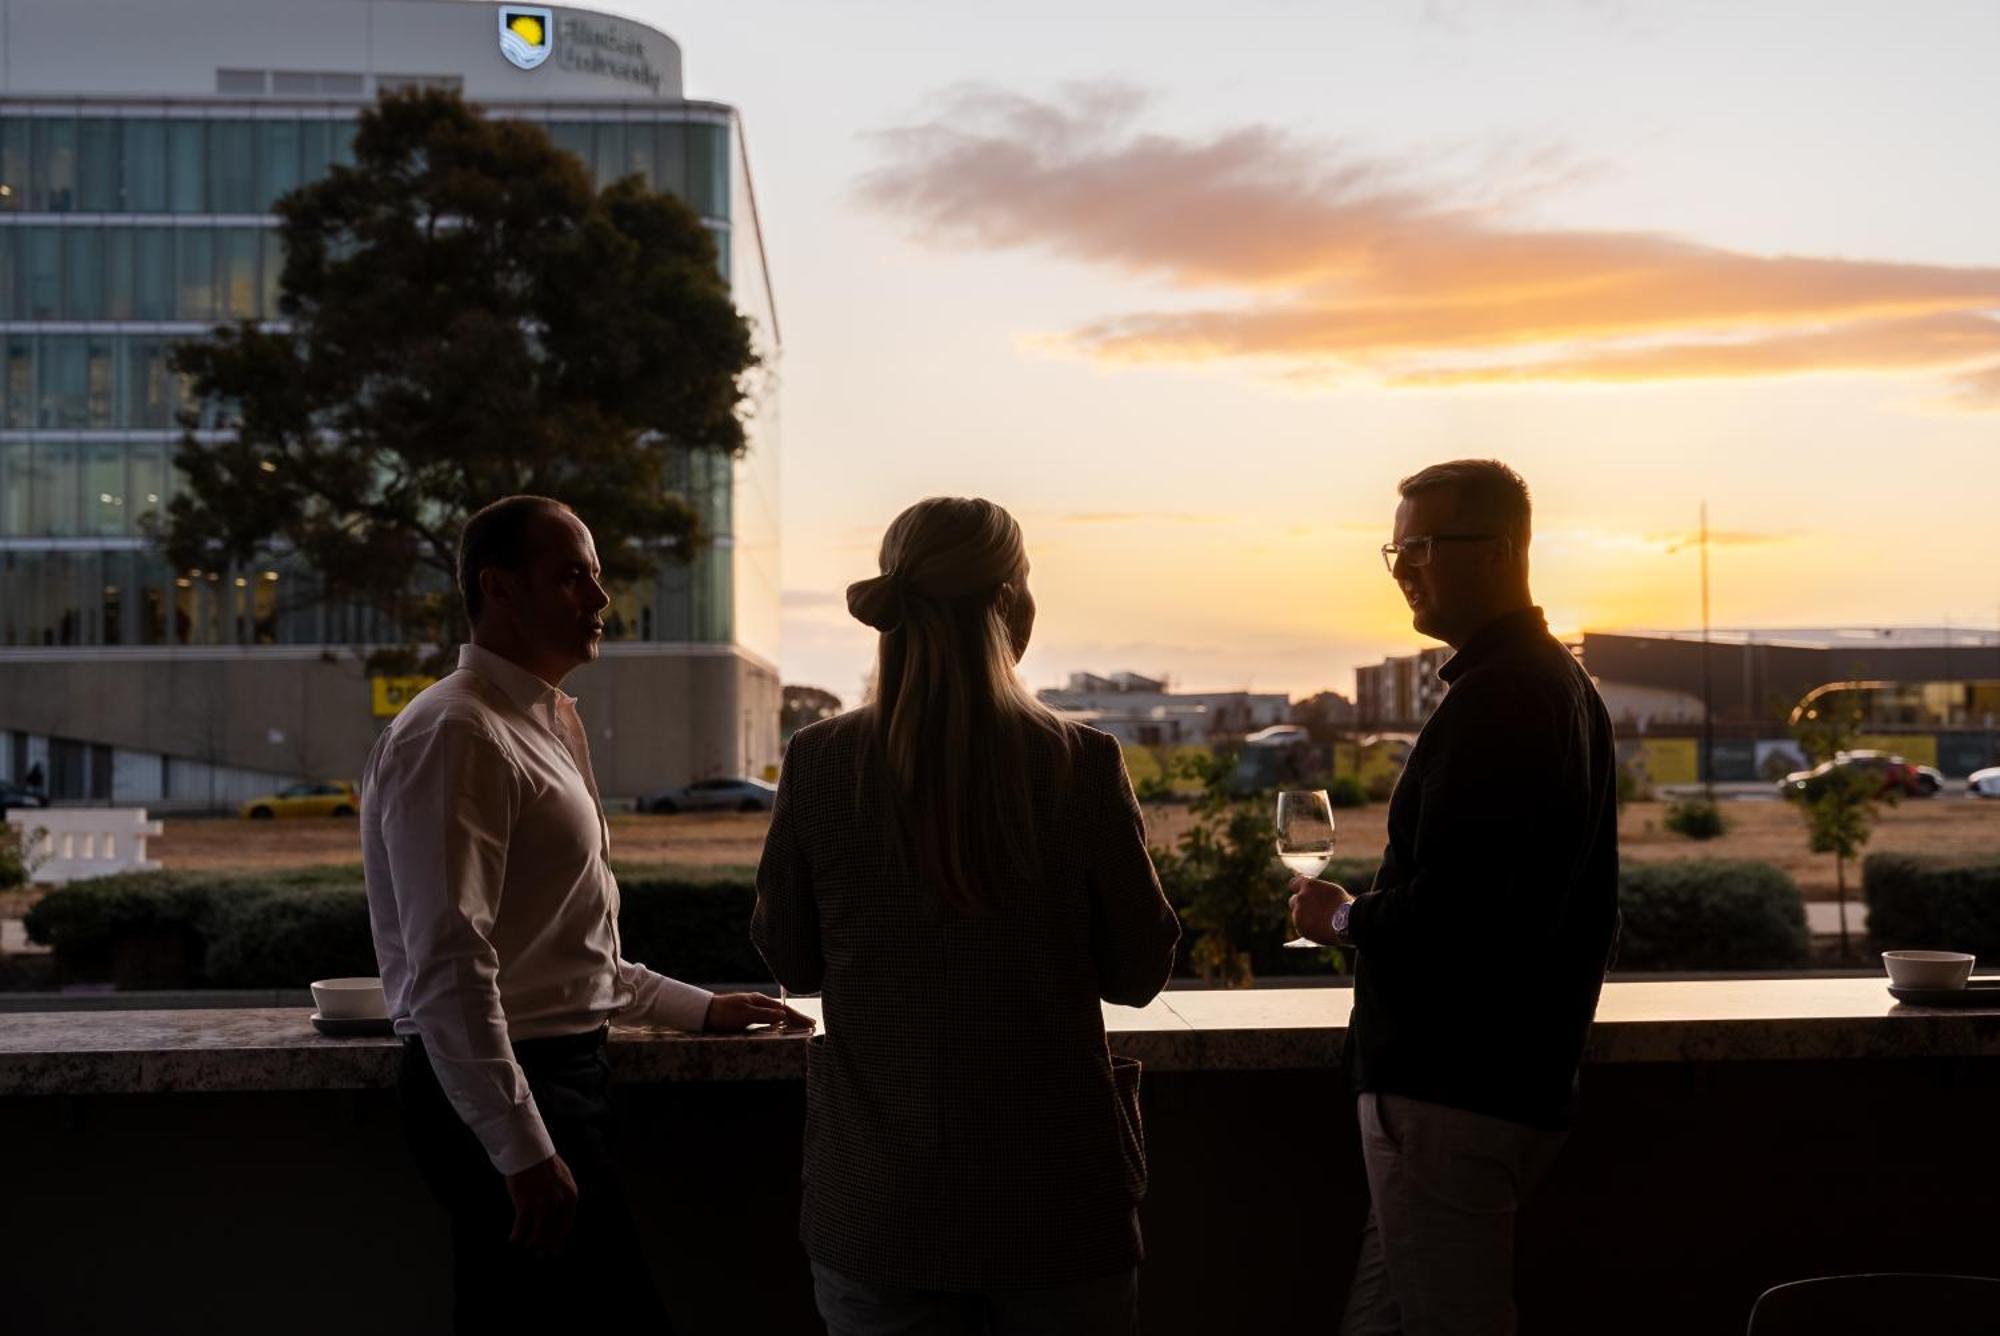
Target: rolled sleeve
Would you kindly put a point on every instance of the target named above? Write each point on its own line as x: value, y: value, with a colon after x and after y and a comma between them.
x: 447, y: 798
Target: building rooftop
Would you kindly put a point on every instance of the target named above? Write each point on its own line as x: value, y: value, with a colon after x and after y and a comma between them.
x: 1830, y: 637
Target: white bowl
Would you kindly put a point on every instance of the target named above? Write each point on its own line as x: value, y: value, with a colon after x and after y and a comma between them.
x: 1927, y: 969
x: 350, y: 999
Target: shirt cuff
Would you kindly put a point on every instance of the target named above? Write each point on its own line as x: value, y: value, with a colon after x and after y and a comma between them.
x: 517, y: 1139
x: 681, y: 1005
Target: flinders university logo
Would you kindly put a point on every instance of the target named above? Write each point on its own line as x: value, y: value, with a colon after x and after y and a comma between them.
x: 527, y: 34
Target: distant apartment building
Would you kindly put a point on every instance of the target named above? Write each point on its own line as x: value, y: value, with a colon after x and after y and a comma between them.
x: 1399, y: 693
x: 1142, y: 712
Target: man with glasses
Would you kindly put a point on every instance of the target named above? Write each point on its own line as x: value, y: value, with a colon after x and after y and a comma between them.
x: 1481, y: 949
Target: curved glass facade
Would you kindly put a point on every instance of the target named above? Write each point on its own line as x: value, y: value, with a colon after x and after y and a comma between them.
x: 126, y: 227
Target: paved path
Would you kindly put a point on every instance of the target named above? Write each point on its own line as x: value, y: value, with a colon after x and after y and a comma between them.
x: 1823, y: 918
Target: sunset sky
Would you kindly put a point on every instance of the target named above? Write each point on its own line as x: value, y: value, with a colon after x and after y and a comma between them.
x: 1188, y: 287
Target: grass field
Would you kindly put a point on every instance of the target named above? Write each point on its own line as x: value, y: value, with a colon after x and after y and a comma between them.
x: 1766, y: 830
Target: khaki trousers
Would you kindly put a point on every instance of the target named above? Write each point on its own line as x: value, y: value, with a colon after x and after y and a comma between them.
x: 1437, y: 1257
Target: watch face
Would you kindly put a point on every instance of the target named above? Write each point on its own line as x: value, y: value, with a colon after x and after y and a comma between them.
x: 1340, y: 917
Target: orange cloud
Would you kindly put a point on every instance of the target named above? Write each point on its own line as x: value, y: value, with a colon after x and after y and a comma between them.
x: 1340, y: 260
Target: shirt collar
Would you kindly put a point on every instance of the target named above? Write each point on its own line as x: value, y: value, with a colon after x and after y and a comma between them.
x: 1507, y: 629
x: 521, y: 686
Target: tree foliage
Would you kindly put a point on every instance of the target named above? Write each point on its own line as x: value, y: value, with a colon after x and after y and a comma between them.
x: 802, y: 705
x: 1840, y: 806
x: 1224, y: 878
x: 463, y: 317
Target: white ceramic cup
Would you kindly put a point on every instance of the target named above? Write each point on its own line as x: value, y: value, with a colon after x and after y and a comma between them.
x: 350, y: 999
x: 1927, y: 969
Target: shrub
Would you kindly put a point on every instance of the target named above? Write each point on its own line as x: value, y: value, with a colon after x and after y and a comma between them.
x: 286, y: 939
x: 693, y: 929
x: 13, y: 862
x: 140, y: 930
x: 283, y: 930
x: 1709, y: 914
x: 1696, y: 818
x: 1346, y: 791
x: 1939, y: 903
x: 1632, y: 786
x: 1381, y: 786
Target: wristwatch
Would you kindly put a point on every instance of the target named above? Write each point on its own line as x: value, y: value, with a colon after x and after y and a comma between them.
x: 1340, y: 917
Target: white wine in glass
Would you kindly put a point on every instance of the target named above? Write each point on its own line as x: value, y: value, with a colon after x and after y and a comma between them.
x: 1305, y: 841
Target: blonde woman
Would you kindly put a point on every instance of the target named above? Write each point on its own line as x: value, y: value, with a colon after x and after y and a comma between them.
x: 964, y: 876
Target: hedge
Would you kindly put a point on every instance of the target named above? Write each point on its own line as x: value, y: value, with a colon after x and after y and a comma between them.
x: 1709, y: 914
x: 283, y: 930
x: 181, y: 930
x: 1940, y: 903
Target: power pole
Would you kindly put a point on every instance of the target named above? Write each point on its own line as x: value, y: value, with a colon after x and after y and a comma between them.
x: 1707, y: 702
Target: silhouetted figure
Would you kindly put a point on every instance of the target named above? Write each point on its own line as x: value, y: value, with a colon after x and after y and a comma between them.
x: 495, y: 921
x: 1481, y: 950
x: 965, y: 876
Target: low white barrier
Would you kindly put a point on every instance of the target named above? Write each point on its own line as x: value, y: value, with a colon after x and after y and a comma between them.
x: 65, y: 844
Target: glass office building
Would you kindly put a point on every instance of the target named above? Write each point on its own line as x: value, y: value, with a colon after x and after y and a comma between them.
x: 133, y: 219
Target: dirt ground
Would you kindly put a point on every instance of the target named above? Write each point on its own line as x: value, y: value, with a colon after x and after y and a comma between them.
x: 1767, y: 830
x: 723, y: 839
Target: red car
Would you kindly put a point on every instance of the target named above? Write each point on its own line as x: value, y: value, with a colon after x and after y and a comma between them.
x: 1898, y: 774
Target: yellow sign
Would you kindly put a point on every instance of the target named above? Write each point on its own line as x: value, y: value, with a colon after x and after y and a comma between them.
x: 393, y: 693
x: 1666, y: 760
x: 1917, y: 749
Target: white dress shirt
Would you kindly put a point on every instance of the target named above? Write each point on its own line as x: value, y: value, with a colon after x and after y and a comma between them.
x: 490, y: 893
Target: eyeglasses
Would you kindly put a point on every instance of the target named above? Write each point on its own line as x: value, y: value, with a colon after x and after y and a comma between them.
x: 1416, y: 549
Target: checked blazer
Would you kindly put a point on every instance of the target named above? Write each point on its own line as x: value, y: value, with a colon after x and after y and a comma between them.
x: 966, y: 1126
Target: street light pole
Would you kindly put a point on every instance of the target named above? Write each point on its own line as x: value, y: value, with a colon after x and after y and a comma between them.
x: 1707, y: 704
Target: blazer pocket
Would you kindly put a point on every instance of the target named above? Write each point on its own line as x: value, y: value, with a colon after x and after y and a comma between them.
x: 1131, y: 1126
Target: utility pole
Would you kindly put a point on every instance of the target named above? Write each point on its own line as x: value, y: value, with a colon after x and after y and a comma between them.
x: 1707, y: 702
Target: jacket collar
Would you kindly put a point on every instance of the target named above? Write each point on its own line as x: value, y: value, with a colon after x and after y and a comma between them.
x: 1508, y: 629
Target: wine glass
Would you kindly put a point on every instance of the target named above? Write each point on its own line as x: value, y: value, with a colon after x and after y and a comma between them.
x: 1305, y: 841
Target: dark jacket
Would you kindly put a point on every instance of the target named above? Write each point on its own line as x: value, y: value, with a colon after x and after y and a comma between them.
x: 1482, y: 948
x: 966, y: 1127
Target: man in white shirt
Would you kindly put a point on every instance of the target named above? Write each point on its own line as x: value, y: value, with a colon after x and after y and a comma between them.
x: 495, y: 918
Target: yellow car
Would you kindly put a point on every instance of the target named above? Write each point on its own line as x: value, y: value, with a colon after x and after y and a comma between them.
x: 335, y: 798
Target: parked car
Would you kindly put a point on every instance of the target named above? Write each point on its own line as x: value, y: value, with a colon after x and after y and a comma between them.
x: 1930, y: 781
x: 320, y: 798
x: 713, y: 795
x: 1896, y: 773
x: 13, y: 795
x: 1983, y: 783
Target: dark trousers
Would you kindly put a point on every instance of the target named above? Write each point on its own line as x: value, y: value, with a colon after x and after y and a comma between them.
x: 497, y: 1286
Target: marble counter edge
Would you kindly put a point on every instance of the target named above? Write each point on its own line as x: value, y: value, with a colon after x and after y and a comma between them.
x: 263, y: 1054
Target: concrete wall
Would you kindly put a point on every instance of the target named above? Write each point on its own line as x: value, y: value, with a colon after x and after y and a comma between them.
x: 1687, y: 1189
x: 658, y: 715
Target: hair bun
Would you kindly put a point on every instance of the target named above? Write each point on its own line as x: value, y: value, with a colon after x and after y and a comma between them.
x: 877, y: 602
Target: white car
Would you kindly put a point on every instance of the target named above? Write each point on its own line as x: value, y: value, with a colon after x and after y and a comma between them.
x: 1983, y: 783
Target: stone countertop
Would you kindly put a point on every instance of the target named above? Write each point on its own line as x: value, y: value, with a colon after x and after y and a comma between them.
x: 99, y: 1052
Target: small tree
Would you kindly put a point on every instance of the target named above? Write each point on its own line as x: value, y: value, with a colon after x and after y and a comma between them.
x: 1223, y: 874
x: 805, y: 705
x: 464, y: 317
x: 16, y: 867
x: 1839, y: 806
